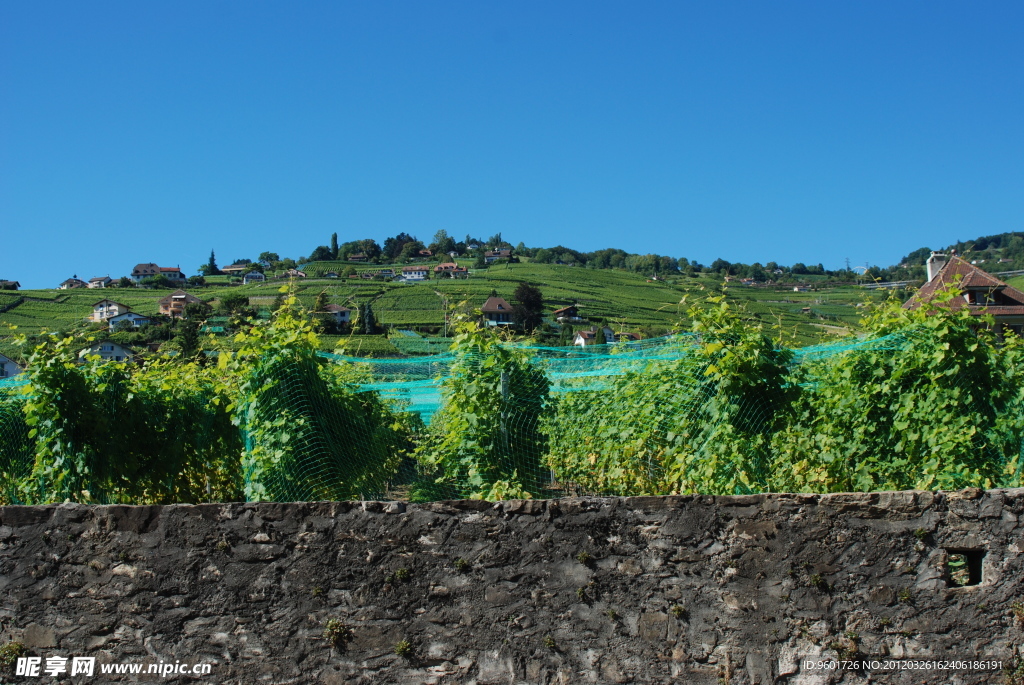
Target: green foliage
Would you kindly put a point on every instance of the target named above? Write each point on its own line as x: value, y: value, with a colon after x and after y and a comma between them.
x: 486, y: 442
x: 112, y: 432
x: 944, y: 412
x: 309, y: 434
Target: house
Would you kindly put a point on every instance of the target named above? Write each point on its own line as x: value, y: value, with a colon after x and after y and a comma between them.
x: 73, y: 282
x: 174, y: 304
x: 293, y: 273
x: 446, y: 266
x: 980, y: 292
x: 100, y: 282
x: 235, y: 269
x: 331, y: 274
x: 459, y: 272
x: 107, y: 309
x: 414, y: 273
x: 253, y: 277
x: 150, y: 270
x: 494, y: 255
x: 568, y: 314
x: 357, y: 257
x: 133, y: 319
x: 109, y: 352
x: 801, y: 289
x: 8, y: 367
x: 584, y: 338
x: 340, y: 314
x: 9, y: 285
x: 424, y: 254
x: 451, y: 270
x: 497, y: 312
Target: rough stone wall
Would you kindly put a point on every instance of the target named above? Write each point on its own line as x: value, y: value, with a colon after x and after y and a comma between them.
x: 607, y: 590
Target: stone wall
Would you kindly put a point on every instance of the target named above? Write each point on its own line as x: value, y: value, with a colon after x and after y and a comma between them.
x: 645, y: 590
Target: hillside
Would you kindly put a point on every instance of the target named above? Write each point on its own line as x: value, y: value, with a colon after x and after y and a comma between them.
x: 624, y: 300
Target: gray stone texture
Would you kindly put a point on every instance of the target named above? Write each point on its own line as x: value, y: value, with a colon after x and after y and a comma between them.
x: 691, y: 589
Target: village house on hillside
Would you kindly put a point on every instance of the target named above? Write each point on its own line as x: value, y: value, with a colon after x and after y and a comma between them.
x: 570, y: 314
x: 494, y: 255
x: 497, y: 312
x: 253, y: 277
x: 128, y: 319
x: 293, y: 273
x: 450, y: 270
x: 415, y: 273
x: 150, y: 270
x: 339, y: 313
x: 107, y: 309
x: 109, y: 351
x: 584, y: 338
x: 236, y: 268
x: 73, y: 282
x: 100, y: 282
x: 9, y: 285
x: 174, y: 304
x: 980, y: 292
x: 8, y: 367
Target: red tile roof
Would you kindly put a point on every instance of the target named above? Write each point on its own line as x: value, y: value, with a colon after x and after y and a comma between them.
x: 956, y: 273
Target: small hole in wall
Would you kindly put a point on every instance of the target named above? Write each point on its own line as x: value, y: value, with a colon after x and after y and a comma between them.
x: 963, y: 567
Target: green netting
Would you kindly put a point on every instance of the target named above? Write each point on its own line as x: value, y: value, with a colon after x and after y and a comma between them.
x: 932, y: 405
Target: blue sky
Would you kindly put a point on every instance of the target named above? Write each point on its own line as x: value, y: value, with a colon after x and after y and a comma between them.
x: 786, y: 131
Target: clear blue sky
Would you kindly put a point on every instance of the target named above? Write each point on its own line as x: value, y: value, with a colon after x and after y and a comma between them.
x: 755, y: 131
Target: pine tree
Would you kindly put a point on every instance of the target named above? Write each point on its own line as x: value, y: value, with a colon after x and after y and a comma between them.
x: 334, y: 246
x: 211, y: 266
x: 599, y: 337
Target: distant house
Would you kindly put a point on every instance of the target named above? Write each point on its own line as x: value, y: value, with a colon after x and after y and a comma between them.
x: 494, y: 255
x: 497, y: 312
x: 150, y: 270
x: 107, y: 309
x: 8, y: 367
x: 100, y: 282
x: 72, y: 283
x: 133, y: 319
x: 459, y: 272
x: 331, y: 274
x: 445, y: 266
x: 9, y: 285
x: 357, y: 257
x: 109, y: 352
x: 340, y: 314
x: 174, y: 304
x: 801, y: 289
x: 235, y: 269
x: 980, y: 292
x: 253, y: 277
x: 293, y: 273
x: 414, y: 273
x: 451, y: 270
x: 584, y: 338
x: 568, y: 314
x: 424, y: 254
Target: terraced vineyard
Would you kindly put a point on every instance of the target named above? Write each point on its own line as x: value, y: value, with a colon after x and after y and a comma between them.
x: 624, y: 300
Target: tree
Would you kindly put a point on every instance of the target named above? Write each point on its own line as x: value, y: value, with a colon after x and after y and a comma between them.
x: 528, y: 311
x: 411, y: 249
x: 125, y: 282
x: 196, y: 280
x: 235, y: 304
x: 334, y: 246
x: 321, y: 254
x: 480, y: 262
x: 443, y: 243
x: 210, y: 268
x: 268, y: 258
x: 599, y: 337
x: 393, y: 246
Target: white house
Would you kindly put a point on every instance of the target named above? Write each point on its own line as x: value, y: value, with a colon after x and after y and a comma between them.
x: 494, y: 255
x: 135, y: 320
x: 107, y: 309
x: 9, y: 367
x: 497, y: 312
x: 253, y: 277
x: 584, y: 338
x: 100, y: 282
x: 73, y: 282
x: 414, y: 273
x: 340, y: 314
x: 109, y: 351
